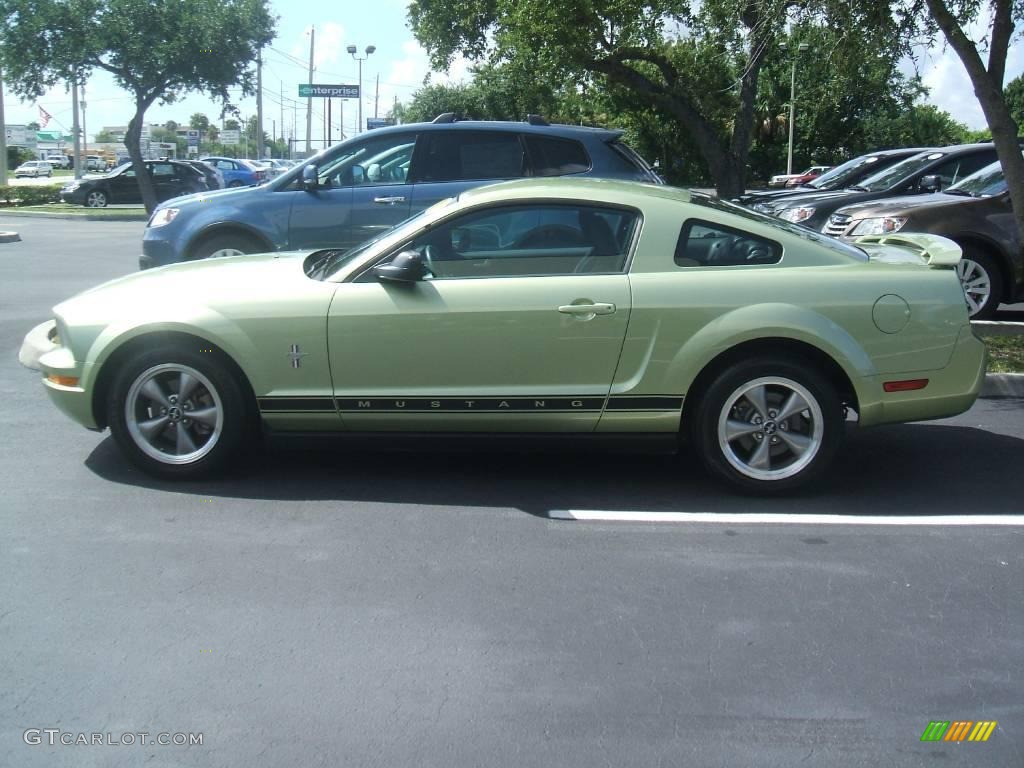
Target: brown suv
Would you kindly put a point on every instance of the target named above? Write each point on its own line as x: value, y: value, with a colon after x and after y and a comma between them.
x: 975, y: 213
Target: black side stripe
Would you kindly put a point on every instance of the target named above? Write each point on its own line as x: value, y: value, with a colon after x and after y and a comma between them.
x: 645, y: 403
x: 296, y: 404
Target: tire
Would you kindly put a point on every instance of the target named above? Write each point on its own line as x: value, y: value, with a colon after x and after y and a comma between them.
x: 982, y: 282
x: 227, y: 244
x: 96, y: 199
x: 738, y: 415
x: 235, y: 183
x: 159, y: 431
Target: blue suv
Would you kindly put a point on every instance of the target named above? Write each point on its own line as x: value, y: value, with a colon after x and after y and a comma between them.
x: 369, y: 183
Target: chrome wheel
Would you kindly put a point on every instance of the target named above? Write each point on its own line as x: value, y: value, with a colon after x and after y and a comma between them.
x: 976, y: 283
x: 770, y: 428
x: 221, y: 253
x: 96, y: 200
x: 173, y: 414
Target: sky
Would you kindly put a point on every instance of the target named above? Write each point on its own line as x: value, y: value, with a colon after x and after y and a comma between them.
x: 400, y: 64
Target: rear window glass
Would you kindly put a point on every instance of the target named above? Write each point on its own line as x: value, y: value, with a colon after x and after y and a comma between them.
x: 557, y: 157
x: 704, y: 244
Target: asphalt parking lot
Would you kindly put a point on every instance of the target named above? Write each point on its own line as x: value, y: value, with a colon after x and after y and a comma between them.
x: 337, y: 606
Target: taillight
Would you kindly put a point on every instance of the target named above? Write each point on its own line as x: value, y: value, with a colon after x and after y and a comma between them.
x: 259, y: 175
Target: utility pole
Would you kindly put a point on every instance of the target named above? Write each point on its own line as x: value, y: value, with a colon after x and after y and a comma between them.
x: 376, y: 97
x: 85, y: 133
x: 341, y: 120
x: 3, y: 137
x: 282, y: 110
x: 259, y: 104
x: 74, y: 125
x: 309, y: 100
x: 329, y: 126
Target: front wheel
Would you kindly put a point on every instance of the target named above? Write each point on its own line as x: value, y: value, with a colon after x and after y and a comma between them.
x: 178, y: 413
x: 982, y: 283
x: 768, y: 426
x: 228, y: 244
x: 96, y: 199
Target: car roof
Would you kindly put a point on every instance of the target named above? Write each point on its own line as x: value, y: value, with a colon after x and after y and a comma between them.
x: 555, y: 129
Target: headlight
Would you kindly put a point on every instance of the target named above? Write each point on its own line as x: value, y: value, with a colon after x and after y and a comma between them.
x: 796, y: 215
x: 72, y: 186
x: 882, y: 225
x: 163, y: 216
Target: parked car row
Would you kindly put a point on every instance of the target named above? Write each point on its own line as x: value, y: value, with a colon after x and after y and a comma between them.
x: 957, y: 192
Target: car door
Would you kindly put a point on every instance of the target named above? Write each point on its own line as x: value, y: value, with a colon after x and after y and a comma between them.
x: 362, y: 190
x: 165, y: 180
x: 518, y: 327
x: 124, y: 187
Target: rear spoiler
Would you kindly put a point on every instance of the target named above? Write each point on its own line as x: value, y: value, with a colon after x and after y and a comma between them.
x: 938, y: 251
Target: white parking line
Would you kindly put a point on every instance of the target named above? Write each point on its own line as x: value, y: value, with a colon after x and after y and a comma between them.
x: 599, y: 515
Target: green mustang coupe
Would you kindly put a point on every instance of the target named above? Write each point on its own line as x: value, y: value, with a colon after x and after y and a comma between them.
x: 592, y: 307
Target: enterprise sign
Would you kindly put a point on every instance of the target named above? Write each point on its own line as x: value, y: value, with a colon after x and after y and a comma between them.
x: 329, y: 91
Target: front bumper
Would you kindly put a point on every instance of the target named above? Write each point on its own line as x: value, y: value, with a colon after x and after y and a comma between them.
x: 77, y: 197
x: 41, y: 351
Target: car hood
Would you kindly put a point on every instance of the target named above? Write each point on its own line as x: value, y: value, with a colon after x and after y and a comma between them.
x: 812, y: 198
x: 897, y: 206
x: 201, y: 197
x: 209, y: 283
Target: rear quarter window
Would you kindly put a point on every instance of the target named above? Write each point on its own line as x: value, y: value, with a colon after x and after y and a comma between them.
x: 556, y: 157
x: 705, y: 244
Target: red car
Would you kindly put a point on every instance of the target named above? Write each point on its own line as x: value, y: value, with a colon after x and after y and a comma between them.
x: 811, y: 173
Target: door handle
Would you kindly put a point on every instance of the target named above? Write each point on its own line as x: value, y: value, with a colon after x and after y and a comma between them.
x: 389, y: 200
x: 587, y: 309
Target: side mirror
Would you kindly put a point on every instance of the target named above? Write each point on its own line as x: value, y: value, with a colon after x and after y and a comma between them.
x: 311, y: 178
x: 931, y: 183
x: 406, y: 267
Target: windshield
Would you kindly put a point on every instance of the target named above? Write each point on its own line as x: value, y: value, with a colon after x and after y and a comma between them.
x: 890, y: 177
x: 839, y: 176
x: 799, y: 230
x: 987, y: 182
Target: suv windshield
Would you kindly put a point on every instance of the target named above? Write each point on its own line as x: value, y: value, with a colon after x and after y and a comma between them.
x: 890, y: 177
x: 838, y: 176
x: 987, y: 182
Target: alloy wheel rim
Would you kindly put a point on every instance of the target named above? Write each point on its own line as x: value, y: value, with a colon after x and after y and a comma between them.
x: 976, y: 284
x: 96, y: 200
x: 770, y: 428
x: 174, y: 414
x: 222, y: 253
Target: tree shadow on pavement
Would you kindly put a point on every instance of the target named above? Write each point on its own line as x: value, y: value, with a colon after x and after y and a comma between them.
x: 905, y: 470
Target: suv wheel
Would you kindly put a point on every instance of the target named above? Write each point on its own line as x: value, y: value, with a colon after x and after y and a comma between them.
x: 227, y: 244
x: 96, y: 199
x: 982, y: 283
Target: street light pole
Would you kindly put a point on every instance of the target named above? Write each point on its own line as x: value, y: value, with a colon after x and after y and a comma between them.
x: 352, y: 50
x: 792, y: 104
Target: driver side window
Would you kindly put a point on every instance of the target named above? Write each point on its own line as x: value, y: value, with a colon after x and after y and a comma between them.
x: 704, y: 244
x: 530, y: 240
x: 375, y: 162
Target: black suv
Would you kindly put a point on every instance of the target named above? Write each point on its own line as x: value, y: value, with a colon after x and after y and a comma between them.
x: 929, y: 171
x: 369, y: 183
x: 171, y: 178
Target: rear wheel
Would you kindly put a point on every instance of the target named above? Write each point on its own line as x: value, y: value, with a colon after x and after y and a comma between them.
x: 768, y: 425
x: 178, y: 413
x: 982, y: 283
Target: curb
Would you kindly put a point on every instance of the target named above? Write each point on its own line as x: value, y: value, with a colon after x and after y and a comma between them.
x: 1003, y: 385
x: 9, y: 237
x: 77, y: 216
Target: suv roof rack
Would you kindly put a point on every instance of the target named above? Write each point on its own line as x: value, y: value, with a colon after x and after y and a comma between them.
x: 533, y: 119
x: 445, y: 117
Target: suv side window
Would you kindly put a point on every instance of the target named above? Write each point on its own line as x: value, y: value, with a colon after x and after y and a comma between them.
x: 556, y: 157
x: 530, y: 240
x: 704, y: 244
x: 470, y: 155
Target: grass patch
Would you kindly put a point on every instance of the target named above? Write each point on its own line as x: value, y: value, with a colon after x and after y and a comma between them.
x: 1005, y: 354
x: 77, y: 210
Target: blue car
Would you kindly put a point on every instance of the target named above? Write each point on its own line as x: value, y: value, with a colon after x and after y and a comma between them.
x: 367, y: 184
x: 237, y: 173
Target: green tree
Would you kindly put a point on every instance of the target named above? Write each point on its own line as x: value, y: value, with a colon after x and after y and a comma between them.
x: 696, y: 64
x: 104, y: 137
x: 155, y: 49
x: 1014, y: 93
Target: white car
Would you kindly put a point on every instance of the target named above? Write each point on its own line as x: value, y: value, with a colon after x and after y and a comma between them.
x: 34, y: 168
x: 59, y: 161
